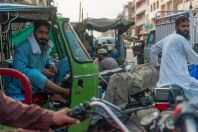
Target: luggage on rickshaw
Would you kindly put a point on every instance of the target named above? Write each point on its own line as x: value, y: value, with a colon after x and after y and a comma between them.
x: 123, y: 85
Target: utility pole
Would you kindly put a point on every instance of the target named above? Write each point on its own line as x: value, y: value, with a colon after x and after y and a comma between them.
x: 80, y: 12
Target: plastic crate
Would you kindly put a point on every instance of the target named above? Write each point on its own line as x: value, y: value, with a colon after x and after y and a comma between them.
x: 194, y: 71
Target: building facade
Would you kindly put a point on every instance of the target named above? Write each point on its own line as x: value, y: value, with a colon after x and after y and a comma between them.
x: 145, y: 11
x: 140, y: 11
x: 129, y: 11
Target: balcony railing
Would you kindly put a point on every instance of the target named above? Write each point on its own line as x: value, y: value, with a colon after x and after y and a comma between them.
x: 140, y: 21
x: 141, y: 9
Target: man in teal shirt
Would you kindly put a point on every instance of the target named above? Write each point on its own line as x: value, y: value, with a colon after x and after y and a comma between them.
x: 32, y: 58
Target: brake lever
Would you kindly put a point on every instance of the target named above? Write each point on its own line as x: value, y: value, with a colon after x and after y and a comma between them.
x: 80, y: 112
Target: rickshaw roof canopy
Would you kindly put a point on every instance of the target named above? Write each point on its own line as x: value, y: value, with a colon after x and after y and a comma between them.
x: 104, y: 24
x: 26, y: 12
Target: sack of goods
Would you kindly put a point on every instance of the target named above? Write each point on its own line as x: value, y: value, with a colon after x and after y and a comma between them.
x: 123, y: 85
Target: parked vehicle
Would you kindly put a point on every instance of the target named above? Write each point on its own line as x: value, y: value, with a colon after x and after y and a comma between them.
x: 183, y: 118
x: 138, y: 50
x: 105, y: 40
x: 108, y: 43
x: 16, y: 25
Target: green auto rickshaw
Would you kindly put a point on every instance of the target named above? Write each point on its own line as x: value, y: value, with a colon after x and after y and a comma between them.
x: 16, y: 25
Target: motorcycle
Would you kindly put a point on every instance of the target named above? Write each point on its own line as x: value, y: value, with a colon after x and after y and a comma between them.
x: 182, y: 119
x: 107, y: 117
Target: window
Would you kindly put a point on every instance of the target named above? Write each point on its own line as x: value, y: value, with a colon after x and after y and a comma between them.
x: 157, y: 4
x: 78, y: 52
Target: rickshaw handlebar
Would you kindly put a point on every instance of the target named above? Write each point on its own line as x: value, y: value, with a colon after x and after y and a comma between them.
x: 81, y: 112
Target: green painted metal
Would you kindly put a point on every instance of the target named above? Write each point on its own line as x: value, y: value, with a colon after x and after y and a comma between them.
x: 85, y: 72
x: 6, y: 128
x: 18, y: 37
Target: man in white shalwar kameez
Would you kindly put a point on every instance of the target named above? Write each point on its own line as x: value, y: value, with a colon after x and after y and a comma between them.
x: 176, y: 54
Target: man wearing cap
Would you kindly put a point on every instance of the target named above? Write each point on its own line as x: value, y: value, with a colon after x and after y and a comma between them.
x: 106, y: 62
x: 32, y: 59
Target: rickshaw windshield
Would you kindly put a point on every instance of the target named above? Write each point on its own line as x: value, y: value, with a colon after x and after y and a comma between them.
x: 78, y: 51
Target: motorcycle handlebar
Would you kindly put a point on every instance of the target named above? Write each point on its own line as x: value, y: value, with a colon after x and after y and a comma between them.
x: 81, y: 112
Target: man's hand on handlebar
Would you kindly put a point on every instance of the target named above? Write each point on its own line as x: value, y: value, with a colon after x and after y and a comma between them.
x: 61, y: 118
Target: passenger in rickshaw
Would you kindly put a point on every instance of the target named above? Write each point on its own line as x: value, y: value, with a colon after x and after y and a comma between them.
x: 32, y: 58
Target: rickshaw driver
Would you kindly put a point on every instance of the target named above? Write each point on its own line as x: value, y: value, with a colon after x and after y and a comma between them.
x: 32, y: 58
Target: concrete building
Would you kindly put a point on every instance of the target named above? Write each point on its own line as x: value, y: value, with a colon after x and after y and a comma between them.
x: 155, y: 6
x: 167, y: 5
x: 140, y: 9
x: 184, y: 4
x: 129, y: 11
x: 144, y: 12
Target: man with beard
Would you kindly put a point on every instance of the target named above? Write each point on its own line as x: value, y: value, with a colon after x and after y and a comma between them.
x: 32, y: 58
x: 176, y: 54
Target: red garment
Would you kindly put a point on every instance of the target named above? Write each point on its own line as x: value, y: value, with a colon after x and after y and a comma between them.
x: 16, y: 114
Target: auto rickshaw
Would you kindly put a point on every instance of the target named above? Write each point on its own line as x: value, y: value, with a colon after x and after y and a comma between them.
x: 119, y: 25
x: 16, y: 24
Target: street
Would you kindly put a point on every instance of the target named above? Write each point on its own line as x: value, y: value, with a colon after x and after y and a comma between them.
x: 129, y: 56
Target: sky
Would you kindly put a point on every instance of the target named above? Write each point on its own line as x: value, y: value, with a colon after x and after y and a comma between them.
x: 94, y: 8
